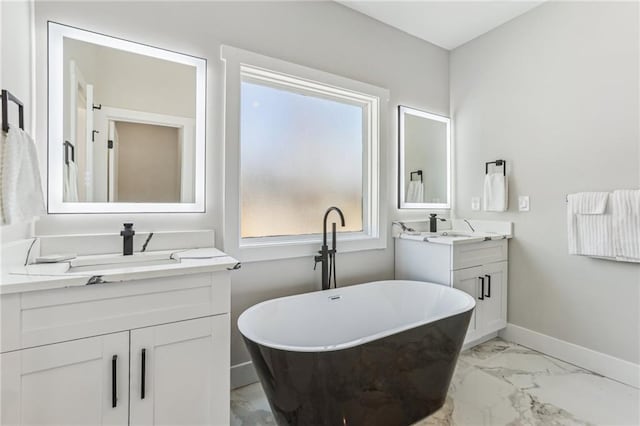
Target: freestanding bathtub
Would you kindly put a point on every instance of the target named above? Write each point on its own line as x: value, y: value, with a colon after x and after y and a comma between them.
x: 380, y: 353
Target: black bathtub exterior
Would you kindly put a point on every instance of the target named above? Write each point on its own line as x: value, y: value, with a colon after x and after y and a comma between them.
x: 393, y: 381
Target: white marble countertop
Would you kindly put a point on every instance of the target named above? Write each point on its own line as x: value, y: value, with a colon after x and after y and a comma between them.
x: 48, y: 276
x: 453, y: 237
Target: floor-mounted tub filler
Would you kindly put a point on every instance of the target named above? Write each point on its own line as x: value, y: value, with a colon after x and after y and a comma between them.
x: 380, y: 353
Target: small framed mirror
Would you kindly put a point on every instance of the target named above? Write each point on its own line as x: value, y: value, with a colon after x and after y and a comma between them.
x: 424, y: 170
x: 126, y: 126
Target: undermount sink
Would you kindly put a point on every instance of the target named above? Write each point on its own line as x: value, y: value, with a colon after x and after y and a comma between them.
x: 88, y: 264
x: 454, y: 234
x: 447, y: 234
x: 108, y: 266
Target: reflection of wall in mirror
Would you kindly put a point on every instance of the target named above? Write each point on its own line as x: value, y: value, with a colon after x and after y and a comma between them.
x: 425, y: 149
x: 148, y: 163
x: 130, y: 81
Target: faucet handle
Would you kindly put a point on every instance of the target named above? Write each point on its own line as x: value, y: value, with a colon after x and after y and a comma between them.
x: 128, y: 230
x: 317, y: 259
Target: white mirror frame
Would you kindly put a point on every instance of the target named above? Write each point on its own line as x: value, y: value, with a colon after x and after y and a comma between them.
x: 57, y: 33
x: 402, y: 204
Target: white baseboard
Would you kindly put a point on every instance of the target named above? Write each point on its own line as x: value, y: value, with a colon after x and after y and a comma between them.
x: 243, y: 374
x: 472, y: 343
x: 598, y: 362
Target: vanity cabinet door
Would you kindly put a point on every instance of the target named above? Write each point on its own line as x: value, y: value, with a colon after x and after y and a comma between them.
x: 494, y: 305
x: 81, y: 382
x: 180, y: 373
x: 467, y: 281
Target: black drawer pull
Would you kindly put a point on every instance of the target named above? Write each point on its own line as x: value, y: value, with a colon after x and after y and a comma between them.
x: 488, y: 286
x: 481, y: 297
x: 114, y: 381
x: 142, y: 372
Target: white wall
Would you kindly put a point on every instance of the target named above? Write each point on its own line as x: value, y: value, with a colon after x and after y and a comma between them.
x: 555, y: 93
x: 16, y: 76
x: 322, y: 35
x: 16, y: 53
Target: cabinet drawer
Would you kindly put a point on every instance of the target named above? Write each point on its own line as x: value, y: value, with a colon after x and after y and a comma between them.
x: 467, y: 255
x: 63, y: 314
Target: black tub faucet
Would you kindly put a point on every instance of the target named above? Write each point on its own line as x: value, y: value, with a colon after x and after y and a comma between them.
x: 328, y: 257
x: 127, y: 239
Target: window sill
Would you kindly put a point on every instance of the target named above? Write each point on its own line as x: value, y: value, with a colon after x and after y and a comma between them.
x: 262, y: 249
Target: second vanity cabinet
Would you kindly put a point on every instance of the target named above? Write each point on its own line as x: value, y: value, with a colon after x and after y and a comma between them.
x: 152, y: 351
x: 478, y: 268
x: 488, y: 285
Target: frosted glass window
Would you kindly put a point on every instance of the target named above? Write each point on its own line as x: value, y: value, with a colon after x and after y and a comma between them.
x: 301, y: 153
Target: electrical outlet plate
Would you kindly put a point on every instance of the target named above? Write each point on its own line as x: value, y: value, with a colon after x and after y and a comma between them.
x: 475, y: 204
x: 523, y: 203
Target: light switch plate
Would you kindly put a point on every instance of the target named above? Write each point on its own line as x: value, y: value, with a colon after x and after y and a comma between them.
x: 523, y: 203
x: 475, y: 204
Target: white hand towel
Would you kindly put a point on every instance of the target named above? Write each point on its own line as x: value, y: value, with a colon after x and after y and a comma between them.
x: 590, y: 236
x: 588, y: 202
x: 22, y: 197
x: 415, y: 192
x: 495, y: 192
x: 71, y: 182
x: 626, y: 212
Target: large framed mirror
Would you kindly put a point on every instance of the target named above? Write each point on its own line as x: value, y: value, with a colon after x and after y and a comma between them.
x: 126, y: 126
x: 424, y: 170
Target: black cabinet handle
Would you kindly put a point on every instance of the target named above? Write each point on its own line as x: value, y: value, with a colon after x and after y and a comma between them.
x: 488, y: 286
x: 142, y: 372
x: 114, y: 381
x: 481, y: 297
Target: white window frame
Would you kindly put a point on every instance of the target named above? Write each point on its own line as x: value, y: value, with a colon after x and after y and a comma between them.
x: 241, y: 64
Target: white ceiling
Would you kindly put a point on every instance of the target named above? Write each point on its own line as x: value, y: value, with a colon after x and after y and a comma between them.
x: 447, y: 24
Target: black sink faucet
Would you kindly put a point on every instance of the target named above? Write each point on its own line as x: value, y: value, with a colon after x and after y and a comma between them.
x: 127, y: 240
x: 326, y: 256
x: 433, y: 222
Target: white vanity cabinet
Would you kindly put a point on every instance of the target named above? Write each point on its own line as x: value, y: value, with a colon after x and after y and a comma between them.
x: 176, y: 373
x: 488, y: 285
x: 477, y: 268
x: 69, y: 383
x: 74, y: 356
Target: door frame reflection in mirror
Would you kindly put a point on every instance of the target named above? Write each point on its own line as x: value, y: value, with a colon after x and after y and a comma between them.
x: 56, y: 204
x: 108, y: 115
x: 402, y: 203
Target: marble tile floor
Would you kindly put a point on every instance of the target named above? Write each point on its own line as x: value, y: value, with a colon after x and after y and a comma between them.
x: 500, y: 383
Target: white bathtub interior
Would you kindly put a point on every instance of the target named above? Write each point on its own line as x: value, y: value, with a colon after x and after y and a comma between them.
x: 346, y: 317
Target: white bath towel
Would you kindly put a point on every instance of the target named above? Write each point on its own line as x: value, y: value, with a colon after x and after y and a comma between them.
x: 71, y: 182
x: 595, y: 235
x: 415, y: 192
x: 495, y: 192
x: 22, y: 197
x: 626, y: 212
x: 590, y: 229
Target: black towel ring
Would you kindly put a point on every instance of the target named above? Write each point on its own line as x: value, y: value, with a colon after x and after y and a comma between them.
x: 498, y: 163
